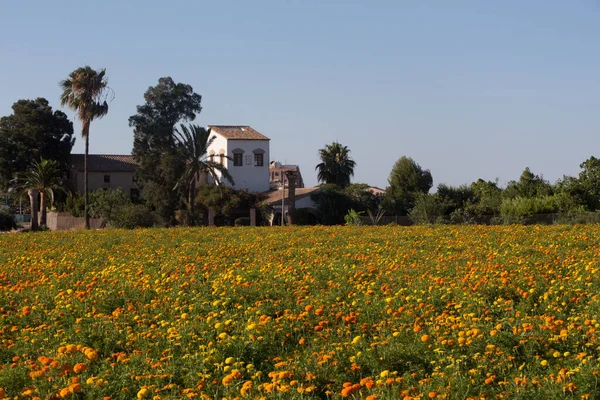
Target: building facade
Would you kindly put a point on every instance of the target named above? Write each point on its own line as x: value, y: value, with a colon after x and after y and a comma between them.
x: 244, y: 152
x: 105, y: 171
x: 278, y: 177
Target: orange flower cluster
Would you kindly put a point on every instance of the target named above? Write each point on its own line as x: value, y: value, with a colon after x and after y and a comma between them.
x: 300, y: 313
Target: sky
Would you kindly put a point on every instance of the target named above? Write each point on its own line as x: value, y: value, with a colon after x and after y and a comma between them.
x: 468, y: 89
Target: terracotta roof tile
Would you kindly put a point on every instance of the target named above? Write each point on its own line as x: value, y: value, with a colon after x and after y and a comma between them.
x: 105, y: 162
x: 235, y: 132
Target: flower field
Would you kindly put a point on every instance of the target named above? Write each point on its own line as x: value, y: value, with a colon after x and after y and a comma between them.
x: 301, y: 313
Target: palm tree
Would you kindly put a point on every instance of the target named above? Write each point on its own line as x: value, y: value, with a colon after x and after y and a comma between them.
x: 42, y: 178
x: 193, y: 144
x: 86, y: 92
x: 336, y: 167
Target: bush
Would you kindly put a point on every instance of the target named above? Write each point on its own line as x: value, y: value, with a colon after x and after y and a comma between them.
x: 106, y: 203
x: 7, y: 219
x: 428, y: 209
x: 519, y: 209
x: 242, y: 221
x: 302, y: 216
x: 134, y: 216
x: 353, y: 218
x: 74, y: 205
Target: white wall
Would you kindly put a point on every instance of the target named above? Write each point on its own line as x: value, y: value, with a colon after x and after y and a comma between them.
x: 247, y: 176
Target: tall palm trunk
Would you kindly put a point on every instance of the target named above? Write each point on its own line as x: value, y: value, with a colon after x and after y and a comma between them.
x: 86, y: 134
x: 43, y: 208
x: 191, y: 197
x: 34, y: 208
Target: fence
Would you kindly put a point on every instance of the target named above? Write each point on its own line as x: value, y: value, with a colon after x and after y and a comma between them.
x: 537, y: 219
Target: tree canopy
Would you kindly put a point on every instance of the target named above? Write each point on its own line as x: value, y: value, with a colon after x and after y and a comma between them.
x: 336, y: 166
x: 406, y: 179
x: 193, y: 143
x: 154, y: 144
x: 33, y: 131
x: 86, y: 92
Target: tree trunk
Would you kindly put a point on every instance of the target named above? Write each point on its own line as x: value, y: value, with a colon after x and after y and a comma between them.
x: 86, y: 134
x: 34, y: 208
x: 43, y: 208
x: 191, y: 196
x: 291, y: 178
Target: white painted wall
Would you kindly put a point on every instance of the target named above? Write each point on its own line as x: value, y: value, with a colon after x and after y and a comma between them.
x: 247, y: 176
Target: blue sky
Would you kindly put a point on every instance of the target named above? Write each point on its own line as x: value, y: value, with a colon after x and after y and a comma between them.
x: 469, y: 89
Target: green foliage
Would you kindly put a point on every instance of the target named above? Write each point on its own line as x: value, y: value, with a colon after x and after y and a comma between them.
x: 528, y: 186
x: 406, y: 180
x: 74, y: 205
x: 86, y: 92
x: 303, y: 216
x: 7, y: 219
x: 230, y: 204
x: 336, y: 166
x: 353, y: 218
x: 332, y: 204
x: 31, y: 132
x: 242, y: 221
x: 517, y: 210
x: 193, y: 143
x: 427, y: 209
x: 44, y: 177
x: 132, y: 216
x: 589, y: 181
x: 107, y: 203
x: 363, y: 198
x: 160, y: 165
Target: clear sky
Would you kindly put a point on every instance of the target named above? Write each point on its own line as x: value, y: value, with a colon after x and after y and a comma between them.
x: 469, y: 89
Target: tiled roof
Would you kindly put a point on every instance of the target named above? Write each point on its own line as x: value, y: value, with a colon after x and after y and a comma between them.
x: 274, y: 196
x: 104, y: 162
x: 235, y: 132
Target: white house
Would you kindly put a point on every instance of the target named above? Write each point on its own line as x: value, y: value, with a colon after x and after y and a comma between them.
x: 247, y: 152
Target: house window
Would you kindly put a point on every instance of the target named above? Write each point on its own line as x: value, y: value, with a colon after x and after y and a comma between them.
x: 106, y: 178
x: 238, y: 159
x: 258, y: 160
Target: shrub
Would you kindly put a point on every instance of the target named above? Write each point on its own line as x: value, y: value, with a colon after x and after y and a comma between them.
x: 518, y: 209
x: 134, y: 216
x: 353, y: 218
x: 242, y: 221
x: 428, y: 209
x: 302, y: 216
x: 106, y: 203
x: 7, y: 219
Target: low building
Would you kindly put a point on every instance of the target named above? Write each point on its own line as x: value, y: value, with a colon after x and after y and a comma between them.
x: 275, y: 198
x: 105, y: 171
x: 244, y: 152
x: 278, y: 177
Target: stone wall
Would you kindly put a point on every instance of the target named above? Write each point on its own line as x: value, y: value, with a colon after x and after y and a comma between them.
x: 63, y: 221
